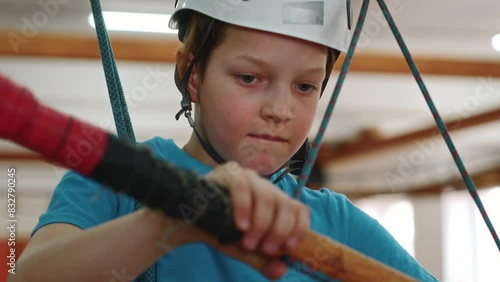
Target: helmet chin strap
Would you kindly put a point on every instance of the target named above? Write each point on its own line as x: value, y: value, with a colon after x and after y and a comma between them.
x: 208, y: 148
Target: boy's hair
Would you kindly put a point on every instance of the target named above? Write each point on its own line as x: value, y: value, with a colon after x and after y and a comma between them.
x: 195, y: 33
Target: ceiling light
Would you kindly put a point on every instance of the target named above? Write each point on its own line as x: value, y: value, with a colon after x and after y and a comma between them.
x: 135, y: 22
x: 495, y: 41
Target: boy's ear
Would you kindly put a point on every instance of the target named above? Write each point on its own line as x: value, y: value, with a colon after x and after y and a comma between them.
x: 194, y: 85
x: 194, y: 76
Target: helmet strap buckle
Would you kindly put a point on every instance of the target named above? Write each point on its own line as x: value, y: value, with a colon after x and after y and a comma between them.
x: 187, y: 114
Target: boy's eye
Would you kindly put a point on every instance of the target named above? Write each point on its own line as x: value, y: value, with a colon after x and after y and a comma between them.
x: 304, y: 87
x: 247, y: 78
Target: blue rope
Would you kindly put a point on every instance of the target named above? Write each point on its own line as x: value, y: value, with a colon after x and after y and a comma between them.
x: 117, y: 98
x: 306, y: 171
x: 439, y: 122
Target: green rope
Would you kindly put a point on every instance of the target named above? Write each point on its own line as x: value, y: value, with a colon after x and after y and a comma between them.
x: 471, y: 187
x: 117, y: 98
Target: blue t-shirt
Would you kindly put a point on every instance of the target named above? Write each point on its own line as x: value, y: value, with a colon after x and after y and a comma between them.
x: 85, y: 203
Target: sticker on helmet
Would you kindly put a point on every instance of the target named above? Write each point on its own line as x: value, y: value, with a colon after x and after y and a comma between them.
x: 304, y: 13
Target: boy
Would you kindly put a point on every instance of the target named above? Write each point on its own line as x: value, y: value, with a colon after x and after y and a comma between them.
x: 255, y: 71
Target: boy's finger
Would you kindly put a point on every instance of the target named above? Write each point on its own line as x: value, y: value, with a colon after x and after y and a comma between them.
x: 282, y: 226
x: 274, y: 269
x: 263, y: 212
x: 242, y: 202
x: 302, y: 224
x: 239, y: 189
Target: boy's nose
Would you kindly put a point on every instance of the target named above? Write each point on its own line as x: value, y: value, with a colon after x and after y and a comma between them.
x: 277, y: 106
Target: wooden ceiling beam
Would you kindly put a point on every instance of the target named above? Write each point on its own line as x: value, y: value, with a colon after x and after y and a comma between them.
x: 21, y: 157
x: 378, y: 63
x: 331, y: 153
x: 482, y: 180
x: 86, y: 47
x: 13, y: 43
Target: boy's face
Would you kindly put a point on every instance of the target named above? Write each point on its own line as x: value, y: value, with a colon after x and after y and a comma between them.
x: 259, y: 96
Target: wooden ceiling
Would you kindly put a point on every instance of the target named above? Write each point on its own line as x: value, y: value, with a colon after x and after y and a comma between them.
x: 86, y: 47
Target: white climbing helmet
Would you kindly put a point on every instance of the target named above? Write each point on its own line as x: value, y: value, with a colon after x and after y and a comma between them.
x: 324, y: 22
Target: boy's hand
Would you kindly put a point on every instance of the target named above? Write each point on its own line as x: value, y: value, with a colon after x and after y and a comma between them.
x: 269, y: 218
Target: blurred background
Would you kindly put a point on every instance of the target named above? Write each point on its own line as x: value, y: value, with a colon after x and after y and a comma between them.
x: 381, y: 149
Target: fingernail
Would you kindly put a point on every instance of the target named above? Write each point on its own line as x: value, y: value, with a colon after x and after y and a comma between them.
x: 250, y: 244
x: 292, y: 242
x: 244, y: 224
x: 270, y: 248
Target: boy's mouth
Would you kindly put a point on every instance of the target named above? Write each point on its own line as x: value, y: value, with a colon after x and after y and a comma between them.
x: 268, y: 137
